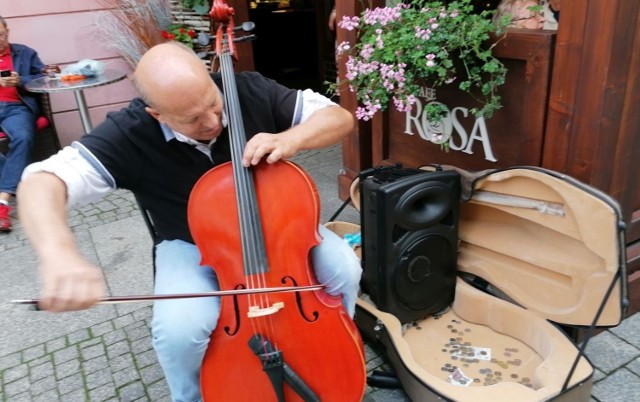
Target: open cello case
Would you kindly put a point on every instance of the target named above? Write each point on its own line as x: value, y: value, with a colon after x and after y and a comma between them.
x: 533, y: 249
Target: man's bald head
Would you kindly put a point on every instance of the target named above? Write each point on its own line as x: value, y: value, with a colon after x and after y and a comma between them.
x: 179, y: 91
x: 167, y: 72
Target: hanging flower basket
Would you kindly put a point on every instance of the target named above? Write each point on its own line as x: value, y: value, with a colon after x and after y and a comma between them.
x: 401, y: 48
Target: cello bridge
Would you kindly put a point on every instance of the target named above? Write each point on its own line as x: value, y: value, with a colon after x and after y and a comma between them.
x: 256, y: 311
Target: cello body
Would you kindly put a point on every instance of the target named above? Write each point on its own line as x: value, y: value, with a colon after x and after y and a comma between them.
x: 318, y: 339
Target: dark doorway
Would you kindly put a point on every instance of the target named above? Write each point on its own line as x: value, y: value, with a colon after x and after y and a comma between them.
x: 292, y: 42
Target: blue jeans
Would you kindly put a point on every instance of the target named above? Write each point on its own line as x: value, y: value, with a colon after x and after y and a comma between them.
x: 182, y: 327
x: 19, y: 124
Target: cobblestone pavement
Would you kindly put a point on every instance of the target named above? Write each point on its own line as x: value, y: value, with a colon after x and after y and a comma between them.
x: 105, y: 354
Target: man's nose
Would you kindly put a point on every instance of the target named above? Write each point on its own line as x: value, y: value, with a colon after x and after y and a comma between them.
x: 212, y: 120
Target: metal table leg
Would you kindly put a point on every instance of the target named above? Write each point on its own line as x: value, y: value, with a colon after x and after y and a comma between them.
x: 84, y: 110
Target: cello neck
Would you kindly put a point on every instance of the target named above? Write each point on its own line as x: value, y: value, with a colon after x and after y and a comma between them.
x: 253, y: 246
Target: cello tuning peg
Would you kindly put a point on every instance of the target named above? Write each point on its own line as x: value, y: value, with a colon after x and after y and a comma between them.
x: 203, y: 55
x: 204, y: 39
x: 247, y: 26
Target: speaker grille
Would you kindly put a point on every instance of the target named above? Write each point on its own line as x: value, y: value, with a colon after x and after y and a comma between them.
x: 425, y: 270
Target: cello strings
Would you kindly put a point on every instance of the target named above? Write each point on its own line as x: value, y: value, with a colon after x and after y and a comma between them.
x: 254, y: 251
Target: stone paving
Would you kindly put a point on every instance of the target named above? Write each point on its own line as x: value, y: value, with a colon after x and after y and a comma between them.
x: 105, y: 353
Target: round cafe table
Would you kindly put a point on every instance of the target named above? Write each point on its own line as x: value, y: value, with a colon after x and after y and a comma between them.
x: 49, y: 84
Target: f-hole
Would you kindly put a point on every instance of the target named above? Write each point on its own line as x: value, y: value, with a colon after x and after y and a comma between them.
x: 236, y: 310
x: 315, y: 314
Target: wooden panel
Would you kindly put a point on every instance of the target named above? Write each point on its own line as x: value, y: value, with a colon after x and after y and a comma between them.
x: 624, y: 183
x: 593, y: 127
x: 513, y: 136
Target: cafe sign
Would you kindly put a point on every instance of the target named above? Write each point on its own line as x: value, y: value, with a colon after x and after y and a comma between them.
x: 450, y: 128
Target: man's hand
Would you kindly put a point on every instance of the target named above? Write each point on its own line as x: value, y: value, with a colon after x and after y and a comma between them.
x: 278, y: 147
x: 323, y: 128
x: 70, y: 283
x: 12, y: 81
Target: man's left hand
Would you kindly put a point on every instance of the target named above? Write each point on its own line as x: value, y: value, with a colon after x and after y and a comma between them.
x: 275, y: 146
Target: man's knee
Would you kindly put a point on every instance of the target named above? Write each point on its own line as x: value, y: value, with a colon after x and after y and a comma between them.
x: 183, y: 324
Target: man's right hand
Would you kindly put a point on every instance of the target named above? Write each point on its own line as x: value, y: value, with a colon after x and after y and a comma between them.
x: 70, y: 283
x: 11, y: 81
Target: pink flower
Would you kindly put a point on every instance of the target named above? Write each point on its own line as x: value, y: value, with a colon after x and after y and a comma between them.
x: 370, y: 108
x: 343, y: 48
x: 423, y: 33
x: 383, y: 15
x: 349, y: 23
x: 367, y: 51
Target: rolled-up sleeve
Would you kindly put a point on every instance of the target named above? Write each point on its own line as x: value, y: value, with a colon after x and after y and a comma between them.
x: 86, y: 179
x: 311, y: 102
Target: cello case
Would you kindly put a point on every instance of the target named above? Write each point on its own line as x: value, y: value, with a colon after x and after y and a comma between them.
x: 548, y: 249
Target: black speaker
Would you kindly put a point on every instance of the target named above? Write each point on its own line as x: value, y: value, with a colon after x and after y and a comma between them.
x: 409, y: 223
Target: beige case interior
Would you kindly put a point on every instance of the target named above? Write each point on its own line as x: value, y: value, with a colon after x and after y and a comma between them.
x: 549, y: 246
x: 482, y: 349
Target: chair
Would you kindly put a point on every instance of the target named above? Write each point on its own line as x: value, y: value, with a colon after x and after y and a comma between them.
x: 148, y: 220
x: 46, y: 142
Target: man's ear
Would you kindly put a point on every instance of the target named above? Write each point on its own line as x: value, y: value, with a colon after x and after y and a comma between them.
x: 153, y: 113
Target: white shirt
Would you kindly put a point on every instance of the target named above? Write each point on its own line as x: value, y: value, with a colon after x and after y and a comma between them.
x: 88, y: 181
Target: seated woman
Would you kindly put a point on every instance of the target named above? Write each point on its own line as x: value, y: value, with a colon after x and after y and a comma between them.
x: 522, y: 13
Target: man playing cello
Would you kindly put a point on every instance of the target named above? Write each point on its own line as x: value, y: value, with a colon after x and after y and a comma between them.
x: 158, y: 147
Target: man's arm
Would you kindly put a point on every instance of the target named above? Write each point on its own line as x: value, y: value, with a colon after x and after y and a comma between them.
x: 323, y: 128
x: 70, y: 282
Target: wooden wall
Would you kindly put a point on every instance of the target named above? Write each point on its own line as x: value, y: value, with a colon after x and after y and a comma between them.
x: 593, y: 125
x: 589, y: 127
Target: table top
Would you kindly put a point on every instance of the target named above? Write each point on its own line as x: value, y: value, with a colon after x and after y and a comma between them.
x: 48, y: 84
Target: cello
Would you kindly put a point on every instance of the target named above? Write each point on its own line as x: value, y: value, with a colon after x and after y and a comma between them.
x: 267, y: 346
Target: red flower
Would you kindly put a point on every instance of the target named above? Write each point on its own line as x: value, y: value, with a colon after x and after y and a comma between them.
x: 181, y: 30
x: 191, y: 33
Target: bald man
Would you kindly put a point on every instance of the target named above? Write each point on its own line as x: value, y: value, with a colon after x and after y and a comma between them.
x: 158, y: 147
